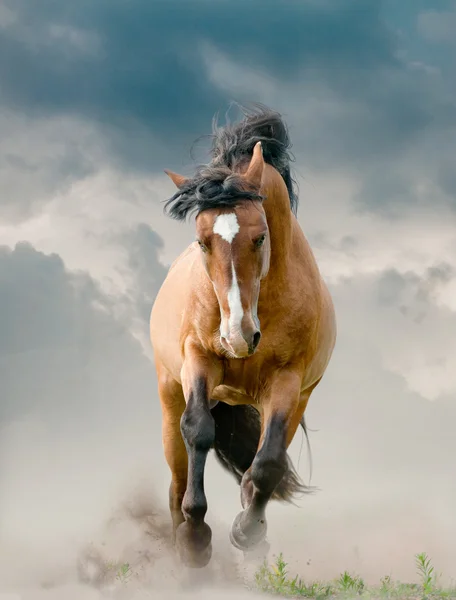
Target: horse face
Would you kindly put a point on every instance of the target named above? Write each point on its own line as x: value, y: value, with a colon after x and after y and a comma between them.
x: 236, y: 250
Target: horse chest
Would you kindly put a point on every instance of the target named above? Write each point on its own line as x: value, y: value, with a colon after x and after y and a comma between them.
x: 242, y: 378
x: 231, y: 395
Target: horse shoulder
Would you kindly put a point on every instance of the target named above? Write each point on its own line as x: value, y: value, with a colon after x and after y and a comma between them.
x: 306, y: 327
x: 169, y: 307
x: 188, y: 251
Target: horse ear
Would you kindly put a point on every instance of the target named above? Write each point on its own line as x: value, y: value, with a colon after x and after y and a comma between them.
x: 255, y: 171
x: 178, y: 180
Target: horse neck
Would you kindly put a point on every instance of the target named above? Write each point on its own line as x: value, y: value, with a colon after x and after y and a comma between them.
x: 280, y: 223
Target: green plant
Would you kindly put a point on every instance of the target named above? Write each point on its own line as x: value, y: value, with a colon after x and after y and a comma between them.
x: 124, y: 572
x: 274, y: 579
x: 386, y: 585
x: 350, y: 583
x: 426, y: 572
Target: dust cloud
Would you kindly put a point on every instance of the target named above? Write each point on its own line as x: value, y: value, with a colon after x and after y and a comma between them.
x: 87, y: 539
x: 84, y: 484
x: 104, y: 531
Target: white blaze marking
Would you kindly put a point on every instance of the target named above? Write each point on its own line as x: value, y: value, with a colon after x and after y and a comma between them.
x: 234, y: 302
x: 227, y: 226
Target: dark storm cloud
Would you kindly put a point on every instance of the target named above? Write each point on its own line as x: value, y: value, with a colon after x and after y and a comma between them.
x: 39, y: 159
x: 137, y: 70
x: 62, y: 353
x: 140, y: 62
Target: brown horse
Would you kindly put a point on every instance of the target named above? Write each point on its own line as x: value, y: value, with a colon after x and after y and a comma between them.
x: 242, y: 328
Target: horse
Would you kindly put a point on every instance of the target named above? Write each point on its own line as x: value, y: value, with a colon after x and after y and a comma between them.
x: 242, y: 330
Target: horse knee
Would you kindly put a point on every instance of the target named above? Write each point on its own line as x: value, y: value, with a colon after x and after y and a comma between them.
x: 198, y: 428
x: 197, y: 423
x: 268, y: 471
x: 270, y: 464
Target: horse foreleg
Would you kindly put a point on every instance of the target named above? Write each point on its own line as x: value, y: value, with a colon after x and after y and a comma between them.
x: 173, y: 406
x: 283, y: 408
x: 194, y: 536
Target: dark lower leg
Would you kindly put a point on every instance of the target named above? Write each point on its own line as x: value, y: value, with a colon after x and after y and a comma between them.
x: 198, y: 431
x: 259, y: 483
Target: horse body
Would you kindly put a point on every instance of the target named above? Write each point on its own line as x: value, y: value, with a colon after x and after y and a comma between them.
x: 249, y: 323
x: 297, y: 317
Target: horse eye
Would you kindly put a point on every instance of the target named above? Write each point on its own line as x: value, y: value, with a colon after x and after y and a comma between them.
x: 202, y: 246
x: 260, y: 241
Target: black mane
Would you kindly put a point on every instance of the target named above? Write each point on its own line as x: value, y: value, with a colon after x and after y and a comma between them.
x: 215, y: 185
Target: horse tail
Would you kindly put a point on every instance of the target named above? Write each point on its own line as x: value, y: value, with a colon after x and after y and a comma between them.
x: 237, y: 435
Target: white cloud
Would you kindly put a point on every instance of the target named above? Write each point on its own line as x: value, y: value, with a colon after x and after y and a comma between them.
x: 7, y: 16
x: 84, y: 42
x: 420, y: 239
x: 77, y: 214
x: 438, y: 26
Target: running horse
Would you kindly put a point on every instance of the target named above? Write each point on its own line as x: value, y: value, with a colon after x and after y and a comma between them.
x: 242, y: 329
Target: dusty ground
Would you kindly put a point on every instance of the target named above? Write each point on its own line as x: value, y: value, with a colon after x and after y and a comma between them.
x: 129, y: 558
x: 86, y: 520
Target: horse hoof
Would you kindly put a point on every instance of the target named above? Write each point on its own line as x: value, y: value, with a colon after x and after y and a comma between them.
x: 193, y: 545
x: 194, y: 560
x: 248, y: 534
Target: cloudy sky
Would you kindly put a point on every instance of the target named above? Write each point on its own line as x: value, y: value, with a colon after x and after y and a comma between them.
x: 96, y: 99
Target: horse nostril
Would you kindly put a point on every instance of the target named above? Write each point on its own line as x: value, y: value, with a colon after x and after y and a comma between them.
x: 255, y: 341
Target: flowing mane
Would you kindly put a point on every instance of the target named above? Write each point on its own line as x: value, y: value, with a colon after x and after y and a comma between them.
x: 218, y: 184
